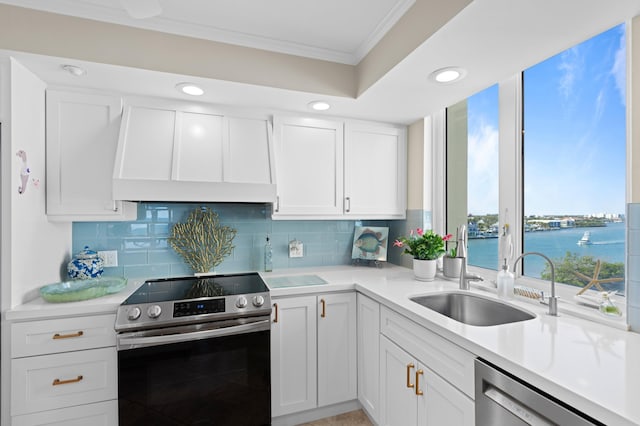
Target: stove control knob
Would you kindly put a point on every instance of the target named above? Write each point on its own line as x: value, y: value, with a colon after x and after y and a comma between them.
x: 154, y: 311
x: 241, y: 302
x: 134, y: 313
x: 258, y: 301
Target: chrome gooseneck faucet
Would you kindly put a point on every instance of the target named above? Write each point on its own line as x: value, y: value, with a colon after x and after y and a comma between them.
x: 465, y: 277
x: 553, y: 300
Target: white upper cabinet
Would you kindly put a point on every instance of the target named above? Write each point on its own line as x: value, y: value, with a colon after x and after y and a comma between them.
x: 309, y: 159
x: 82, y: 134
x: 329, y: 169
x: 375, y: 159
x: 173, y: 151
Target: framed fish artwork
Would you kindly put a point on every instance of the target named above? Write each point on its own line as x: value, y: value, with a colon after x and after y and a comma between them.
x: 370, y: 243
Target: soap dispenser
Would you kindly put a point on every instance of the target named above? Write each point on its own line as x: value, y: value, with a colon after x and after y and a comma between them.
x: 505, y: 282
x: 268, y: 256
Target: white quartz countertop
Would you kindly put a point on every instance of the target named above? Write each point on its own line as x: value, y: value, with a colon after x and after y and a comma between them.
x: 590, y: 366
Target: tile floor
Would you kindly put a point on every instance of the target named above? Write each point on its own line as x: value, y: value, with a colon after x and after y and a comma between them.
x: 353, y: 418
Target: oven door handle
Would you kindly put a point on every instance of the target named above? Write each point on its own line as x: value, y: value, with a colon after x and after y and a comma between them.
x: 141, y: 341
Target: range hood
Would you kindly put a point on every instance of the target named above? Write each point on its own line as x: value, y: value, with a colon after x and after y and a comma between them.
x: 172, y: 151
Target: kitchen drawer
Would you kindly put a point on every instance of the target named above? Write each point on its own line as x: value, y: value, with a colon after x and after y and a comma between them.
x: 48, y: 382
x: 62, y: 335
x: 448, y: 360
x: 98, y: 414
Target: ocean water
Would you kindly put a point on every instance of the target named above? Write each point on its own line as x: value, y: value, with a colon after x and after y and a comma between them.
x: 608, y: 245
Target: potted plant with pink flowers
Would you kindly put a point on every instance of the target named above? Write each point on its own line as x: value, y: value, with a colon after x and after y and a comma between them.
x: 426, y: 247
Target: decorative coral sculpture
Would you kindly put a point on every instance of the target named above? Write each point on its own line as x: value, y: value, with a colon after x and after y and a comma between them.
x: 201, y: 241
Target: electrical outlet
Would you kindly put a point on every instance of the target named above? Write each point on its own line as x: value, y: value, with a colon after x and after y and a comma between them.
x: 109, y: 258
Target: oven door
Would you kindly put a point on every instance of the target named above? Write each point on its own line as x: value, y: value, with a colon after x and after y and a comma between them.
x: 202, y: 374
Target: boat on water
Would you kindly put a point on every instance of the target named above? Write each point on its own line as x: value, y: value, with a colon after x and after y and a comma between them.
x: 585, y: 240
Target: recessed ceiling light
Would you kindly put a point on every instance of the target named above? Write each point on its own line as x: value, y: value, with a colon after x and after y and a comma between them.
x: 190, y: 89
x: 74, y: 70
x: 319, y: 105
x: 448, y: 75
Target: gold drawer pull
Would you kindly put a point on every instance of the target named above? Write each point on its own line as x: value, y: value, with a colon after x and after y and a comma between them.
x: 409, y: 367
x: 418, y: 374
x: 275, y: 306
x: 57, y: 382
x: 67, y: 336
x: 324, y: 308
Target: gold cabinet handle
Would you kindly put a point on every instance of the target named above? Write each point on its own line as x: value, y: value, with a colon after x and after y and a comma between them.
x: 409, y: 367
x: 57, y: 382
x: 324, y: 308
x: 275, y: 317
x: 67, y: 336
x: 418, y: 374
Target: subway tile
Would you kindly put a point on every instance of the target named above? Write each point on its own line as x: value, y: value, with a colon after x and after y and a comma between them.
x: 633, y: 242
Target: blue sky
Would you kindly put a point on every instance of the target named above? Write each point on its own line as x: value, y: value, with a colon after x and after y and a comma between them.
x: 575, y: 133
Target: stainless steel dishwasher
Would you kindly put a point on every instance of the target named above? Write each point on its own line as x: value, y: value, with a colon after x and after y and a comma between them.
x: 505, y: 400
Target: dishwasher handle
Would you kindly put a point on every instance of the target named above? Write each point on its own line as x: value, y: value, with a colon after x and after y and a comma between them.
x: 127, y: 341
x: 519, y: 410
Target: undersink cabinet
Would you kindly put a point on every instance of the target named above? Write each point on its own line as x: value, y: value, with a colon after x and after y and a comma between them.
x: 334, y: 169
x: 424, y: 379
x: 81, y: 140
x: 412, y: 394
x: 313, y: 346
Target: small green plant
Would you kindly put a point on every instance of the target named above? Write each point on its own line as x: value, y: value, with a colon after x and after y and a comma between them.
x: 423, y: 245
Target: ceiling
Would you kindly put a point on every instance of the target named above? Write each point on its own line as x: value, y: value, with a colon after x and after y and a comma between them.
x: 491, y: 39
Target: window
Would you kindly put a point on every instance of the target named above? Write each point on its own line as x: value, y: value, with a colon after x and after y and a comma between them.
x: 574, y: 161
x: 567, y: 198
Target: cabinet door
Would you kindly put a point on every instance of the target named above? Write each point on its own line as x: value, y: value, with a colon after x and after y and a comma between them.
x: 337, y: 353
x: 309, y: 167
x: 82, y: 136
x: 293, y: 355
x: 398, y: 402
x: 441, y: 403
x: 368, y: 355
x: 375, y: 171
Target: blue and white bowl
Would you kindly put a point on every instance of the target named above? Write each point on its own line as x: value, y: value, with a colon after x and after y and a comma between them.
x: 85, y: 264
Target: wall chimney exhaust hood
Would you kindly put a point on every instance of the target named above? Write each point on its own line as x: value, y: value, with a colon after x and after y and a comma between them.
x: 176, y: 151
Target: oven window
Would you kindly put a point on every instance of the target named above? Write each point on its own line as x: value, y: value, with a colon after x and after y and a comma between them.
x: 218, y: 381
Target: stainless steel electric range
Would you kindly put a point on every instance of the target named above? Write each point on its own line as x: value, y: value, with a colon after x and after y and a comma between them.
x: 195, y: 351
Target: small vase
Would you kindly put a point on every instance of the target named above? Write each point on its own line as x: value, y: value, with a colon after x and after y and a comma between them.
x: 424, y: 270
x: 451, y: 266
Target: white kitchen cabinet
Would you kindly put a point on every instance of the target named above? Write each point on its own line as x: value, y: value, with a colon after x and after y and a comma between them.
x: 375, y: 172
x: 412, y: 394
x: 368, y: 354
x: 174, y: 151
x: 330, y: 169
x: 64, y: 371
x: 313, y: 344
x: 309, y: 167
x: 81, y: 139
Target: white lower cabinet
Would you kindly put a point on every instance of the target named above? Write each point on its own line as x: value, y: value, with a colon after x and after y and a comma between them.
x: 412, y: 394
x: 64, y: 371
x: 313, y: 352
x: 369, y: 355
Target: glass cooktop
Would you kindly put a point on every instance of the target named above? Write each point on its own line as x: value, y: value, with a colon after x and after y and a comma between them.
x: 184, y: 288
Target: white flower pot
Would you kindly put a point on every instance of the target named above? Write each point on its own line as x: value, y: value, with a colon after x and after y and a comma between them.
x: 424, y: 270
x: 451, y: 266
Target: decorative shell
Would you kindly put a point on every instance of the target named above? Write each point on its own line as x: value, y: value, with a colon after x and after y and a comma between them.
x: 201, y: 241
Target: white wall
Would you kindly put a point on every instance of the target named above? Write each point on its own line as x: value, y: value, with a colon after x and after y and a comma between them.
x: 38, y: 249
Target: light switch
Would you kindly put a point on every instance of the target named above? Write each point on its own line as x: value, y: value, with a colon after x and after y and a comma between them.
x: 296, y: 248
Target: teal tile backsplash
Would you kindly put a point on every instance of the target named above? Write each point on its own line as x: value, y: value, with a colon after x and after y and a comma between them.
x: 143, y: 250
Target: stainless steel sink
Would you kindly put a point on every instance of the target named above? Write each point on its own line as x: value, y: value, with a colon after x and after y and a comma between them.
x: 473, y: 310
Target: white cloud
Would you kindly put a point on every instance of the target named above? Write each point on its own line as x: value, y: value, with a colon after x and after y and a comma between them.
x: 482, y: 186
x: 570, y: 66
x: 618, y: 69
